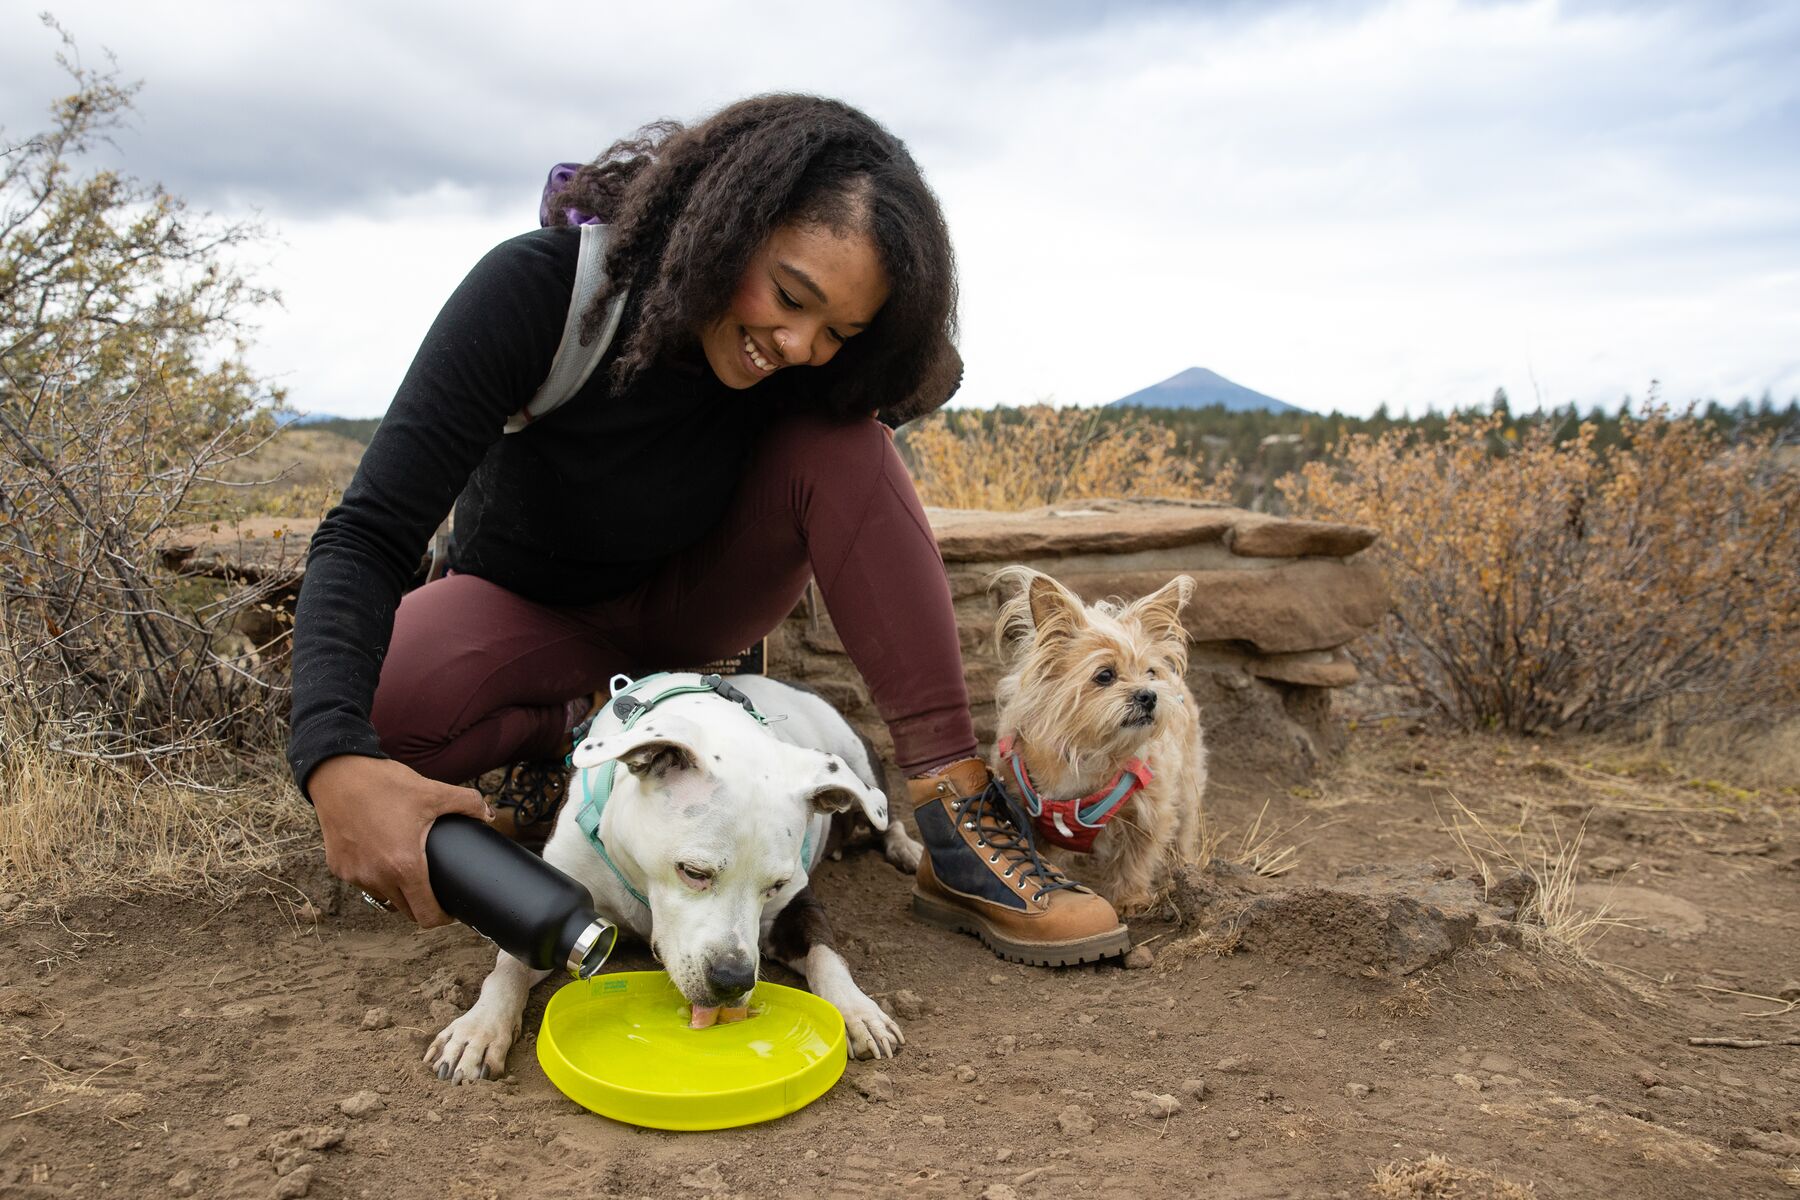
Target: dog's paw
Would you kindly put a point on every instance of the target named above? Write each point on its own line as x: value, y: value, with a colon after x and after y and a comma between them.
x: 872, y: 1033
x: 471, y: 1048
x: 901, y: 850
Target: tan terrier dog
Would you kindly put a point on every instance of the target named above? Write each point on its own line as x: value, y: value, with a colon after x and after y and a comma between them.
x: 1099, y: 736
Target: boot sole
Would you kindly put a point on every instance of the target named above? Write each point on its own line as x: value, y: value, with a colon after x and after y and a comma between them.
x: 1035, y: 954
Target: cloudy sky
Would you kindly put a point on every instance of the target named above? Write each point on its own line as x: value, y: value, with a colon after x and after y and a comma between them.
x: 1339, y: 204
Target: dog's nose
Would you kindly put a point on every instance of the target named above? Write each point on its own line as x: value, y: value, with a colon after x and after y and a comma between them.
x: 731, y: 976
x: 1144, y: 698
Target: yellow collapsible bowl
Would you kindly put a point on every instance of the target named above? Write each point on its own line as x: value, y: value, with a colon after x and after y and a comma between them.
x: 620, y: 1045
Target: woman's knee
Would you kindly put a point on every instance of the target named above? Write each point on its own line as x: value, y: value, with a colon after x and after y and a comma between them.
x: 820, y: 451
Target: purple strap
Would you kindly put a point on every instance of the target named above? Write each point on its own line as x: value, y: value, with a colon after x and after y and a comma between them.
x: 560, y: 176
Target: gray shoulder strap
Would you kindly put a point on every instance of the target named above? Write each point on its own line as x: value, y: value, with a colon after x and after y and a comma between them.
x: 574, y: 362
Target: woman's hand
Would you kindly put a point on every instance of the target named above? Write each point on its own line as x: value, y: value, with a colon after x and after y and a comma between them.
x: 375, y: 813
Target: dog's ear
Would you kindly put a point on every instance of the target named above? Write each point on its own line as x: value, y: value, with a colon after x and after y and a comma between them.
x: 1159, y: 613
x: 652, y: 748
x: 835, y: 788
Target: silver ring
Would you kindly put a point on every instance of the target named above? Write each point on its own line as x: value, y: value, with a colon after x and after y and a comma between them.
x: 376, y: 902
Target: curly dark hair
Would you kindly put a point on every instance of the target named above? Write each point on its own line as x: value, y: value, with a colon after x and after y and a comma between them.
x: 690, y: 206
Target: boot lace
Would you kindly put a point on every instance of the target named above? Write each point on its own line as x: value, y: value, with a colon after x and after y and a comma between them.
x: 999, y: 825
x: 532, y: 790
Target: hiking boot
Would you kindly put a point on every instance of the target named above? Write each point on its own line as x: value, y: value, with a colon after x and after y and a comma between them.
x: 525, y: 798
x: 981, y: 874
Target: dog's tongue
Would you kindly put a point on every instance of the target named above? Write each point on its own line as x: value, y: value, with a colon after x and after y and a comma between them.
x: 702, y: 1017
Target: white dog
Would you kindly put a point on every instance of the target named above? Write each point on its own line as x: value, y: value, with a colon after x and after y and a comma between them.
x: 703, y: 849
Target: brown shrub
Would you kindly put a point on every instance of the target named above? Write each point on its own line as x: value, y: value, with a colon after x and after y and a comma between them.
x: 1540, y: 584
x: 1011, y: 459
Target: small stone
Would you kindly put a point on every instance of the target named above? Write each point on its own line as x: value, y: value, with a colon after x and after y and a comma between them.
x: 876, y: 1086
x: 1085, y: 1019
x: 1357, y: 1091
x: 1658, y: 1091
x: 1194, y: 1087
x: 1003, y: 1154
x: 233, y: 1163
x: 1235, y: 1063
x: 1385, y: 1045
x: 443, y: 1012
x: 1789, y: 990
x: 998, y: 1191
x: 810, y: 1154
x: 908, y: 1006
x: 1074, y: 1121
x: 1466, y: 1081
x: 707, y: 1179
x: 238, y: 1121
x: 362, y: 1104
x: 1158, y: 1104
x: 1139, y: 958
x: 1319, y: 1033
x: 1232, y: 1135
x: 377, y: 1018
x: 182, y: 1183
x: 932, y: 1122
x: 295, y: 1183
x: 308, y: 913
x: 1647, y: 1078
x: 996, y: 979
x: 323, y: 1137
x: 10, y: 901
x: 1266, y: 1095
x: 1005, y: 1046
x: 434, y: 1118
x: 1606, y: 864
x: 966, y: 1074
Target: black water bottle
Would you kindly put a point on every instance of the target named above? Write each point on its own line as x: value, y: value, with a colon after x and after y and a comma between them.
x: 515, y: 899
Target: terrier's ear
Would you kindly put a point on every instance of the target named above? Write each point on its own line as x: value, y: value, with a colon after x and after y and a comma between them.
x: 1159, y: 613
x: 1055, y: 610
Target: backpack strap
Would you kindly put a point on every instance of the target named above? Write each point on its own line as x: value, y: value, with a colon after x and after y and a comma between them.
x: 574, y: 363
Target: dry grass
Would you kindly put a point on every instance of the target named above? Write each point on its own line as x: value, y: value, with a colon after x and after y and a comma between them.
x: 73, y: 826
x: 1266, y: 851
x: 1435, y: 1176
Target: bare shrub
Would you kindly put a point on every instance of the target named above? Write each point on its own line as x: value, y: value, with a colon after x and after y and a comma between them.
x: 1009, y: 459
x: 121, y: 397
x: 1541, y: 584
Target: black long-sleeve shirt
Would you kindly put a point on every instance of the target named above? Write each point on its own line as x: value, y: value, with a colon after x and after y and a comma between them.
x: 579, y: 506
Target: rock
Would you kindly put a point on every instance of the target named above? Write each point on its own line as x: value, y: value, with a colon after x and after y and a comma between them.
x: 1005, y: 1046
x: 126, y: 1105
x: 1158, y: 1104
x: 1289, y: 538
x: 10, y: 901
x: 362, y: 1104
x: 1309, y: 668
x: 434, y: 1118
x: 444, y: 984
x: 1139, y: 958
x: 243, y: 1010
x: 1003, y: 1154
x: 875, y: 1086
x: 238, y: 1121
x: 1607, y: 864
x: 1647, y: 1078
x: 1074, y: 1121
x: 1357, y: 1091
x: 1232, y: 1135
x: 996, y: 978
x: 1789, y: 990
x: 908, y: 1006
x: 1195, y: 1088
x: 308, y: 913
x: 1383, y: 919
x: 377, y: 1018
x: 323, y: 1137
x: 1313, y: 604
x: 182, y: 1183
x: 1085, y: 1019
x: 295, y: 1183
x: 933, y: 1122
x: 1238, y: 1064
x: 443, y: 1012
x: 1319, y: 1033
x: 1266, y: 1095
x: 966, y: 1074
x: 1385, y: 1045
x: 1783, y: 1144
x: 1466, y: 1081
x: 707, y: 1179
x: 998, y: 1191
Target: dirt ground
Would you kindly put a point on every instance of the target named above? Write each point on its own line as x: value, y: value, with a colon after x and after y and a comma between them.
x: 179, y: 1047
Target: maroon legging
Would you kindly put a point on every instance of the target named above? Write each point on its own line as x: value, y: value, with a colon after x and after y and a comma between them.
x: 476, y: 677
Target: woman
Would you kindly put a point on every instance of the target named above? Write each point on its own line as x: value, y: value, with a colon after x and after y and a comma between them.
x: 672, y: 511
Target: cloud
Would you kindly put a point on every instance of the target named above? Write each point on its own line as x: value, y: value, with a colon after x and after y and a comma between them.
x: 1338, y: 204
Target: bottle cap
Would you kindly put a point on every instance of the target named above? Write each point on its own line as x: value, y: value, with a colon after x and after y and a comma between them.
x: 592, y: 948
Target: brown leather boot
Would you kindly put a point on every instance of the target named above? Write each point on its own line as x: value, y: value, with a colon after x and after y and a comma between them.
x: 982, y: 875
